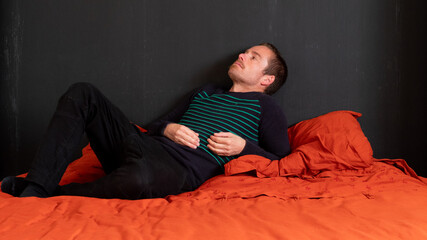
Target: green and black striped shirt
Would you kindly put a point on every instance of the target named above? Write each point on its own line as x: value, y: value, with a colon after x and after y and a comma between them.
x: 221, y: 112
x: 253, y: 116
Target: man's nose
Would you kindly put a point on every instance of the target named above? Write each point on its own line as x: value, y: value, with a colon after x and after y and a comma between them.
x: 242, y: 57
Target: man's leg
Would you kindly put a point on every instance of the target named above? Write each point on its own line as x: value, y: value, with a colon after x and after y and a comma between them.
x: 148, y: 171
x: 82, y: 108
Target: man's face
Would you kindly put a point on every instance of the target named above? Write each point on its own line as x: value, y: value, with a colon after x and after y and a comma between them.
x: 248, y: 68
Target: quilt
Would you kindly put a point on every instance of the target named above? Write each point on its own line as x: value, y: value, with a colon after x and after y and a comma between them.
x: 329, y: 187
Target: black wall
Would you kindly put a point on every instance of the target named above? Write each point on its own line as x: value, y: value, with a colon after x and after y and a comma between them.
x: 363, y: 55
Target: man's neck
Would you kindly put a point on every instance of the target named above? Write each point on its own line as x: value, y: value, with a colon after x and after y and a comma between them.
x: 243, y: 88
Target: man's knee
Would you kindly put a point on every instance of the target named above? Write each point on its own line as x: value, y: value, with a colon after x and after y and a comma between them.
x: 80, y: 92
x: 80, y: 87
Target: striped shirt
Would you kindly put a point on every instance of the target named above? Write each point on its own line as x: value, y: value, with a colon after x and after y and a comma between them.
x: 207, y: 115
x: 253, y: 116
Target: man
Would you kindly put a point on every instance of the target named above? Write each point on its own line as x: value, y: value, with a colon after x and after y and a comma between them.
x: 180, y: 151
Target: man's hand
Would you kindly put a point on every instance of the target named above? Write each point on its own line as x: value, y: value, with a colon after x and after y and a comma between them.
x: 226, y: 144
x: 182, y: 135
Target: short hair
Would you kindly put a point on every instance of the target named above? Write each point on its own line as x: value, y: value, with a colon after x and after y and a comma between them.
x: 276, y: 67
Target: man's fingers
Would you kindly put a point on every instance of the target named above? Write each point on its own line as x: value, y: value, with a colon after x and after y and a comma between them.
x: 212, y: 143
x: 226, y: 143
x: 190, y: 142
x: 223, y: 134
x: 217, y: 144
x: 220, y: 139
x: 192, y: 137
x: 183, y: 130
x: 189, y: 139
x: 216, y: 150
x: 182, y: 135
x: 191, y: 134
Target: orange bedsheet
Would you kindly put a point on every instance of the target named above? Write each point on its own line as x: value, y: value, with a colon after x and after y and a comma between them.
x: 329, y: 187
x: 379, y: 202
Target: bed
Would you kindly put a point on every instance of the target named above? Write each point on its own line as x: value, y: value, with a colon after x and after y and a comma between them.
x: 329, y: 187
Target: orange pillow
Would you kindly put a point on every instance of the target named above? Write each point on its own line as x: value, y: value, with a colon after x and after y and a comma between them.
x: 334, y: 141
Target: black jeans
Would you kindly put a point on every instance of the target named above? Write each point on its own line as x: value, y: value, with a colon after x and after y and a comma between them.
x: 136, y: 165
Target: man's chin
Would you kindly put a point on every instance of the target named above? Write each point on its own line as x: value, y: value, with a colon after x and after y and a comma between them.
x: 231, y: 72
x: 234, y: 78
x: 233, y: 69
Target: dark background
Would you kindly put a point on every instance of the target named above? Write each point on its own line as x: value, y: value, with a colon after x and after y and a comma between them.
x: 367, y: 56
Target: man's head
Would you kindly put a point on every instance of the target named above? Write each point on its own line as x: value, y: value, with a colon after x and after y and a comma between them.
x: 260, y: 68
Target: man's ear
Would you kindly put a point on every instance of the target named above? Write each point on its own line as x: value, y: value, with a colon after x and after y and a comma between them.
x: 267, y: 80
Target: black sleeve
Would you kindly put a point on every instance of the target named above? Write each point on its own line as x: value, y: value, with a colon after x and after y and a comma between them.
x: 273, y: 133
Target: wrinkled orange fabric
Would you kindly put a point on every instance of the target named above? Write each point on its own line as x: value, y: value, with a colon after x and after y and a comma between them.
x: 345, y: 204
x: 384, y: 200
x: 333, y: 141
